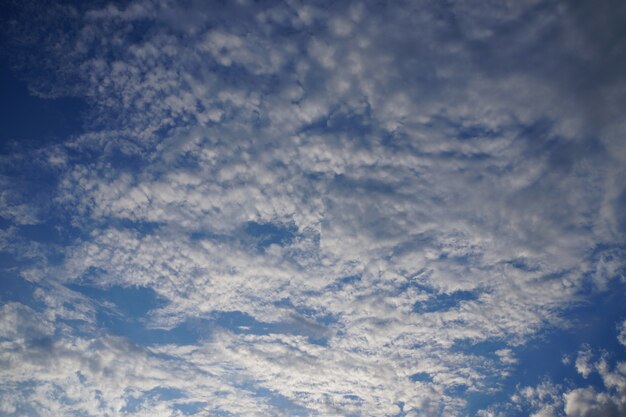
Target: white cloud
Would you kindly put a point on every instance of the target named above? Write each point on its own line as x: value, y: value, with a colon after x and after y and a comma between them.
x: 549, y: 399
x: 543, y: 400
x: 506, y: 356
x: 586, y: 402
x: 18, y: 320
x: 104, y: 375
x: 419, y: 161
x: 590, y: 402
x: 583, y: 362
x: 622, y: 333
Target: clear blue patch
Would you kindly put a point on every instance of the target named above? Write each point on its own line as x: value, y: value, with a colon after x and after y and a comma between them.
x: 33, y: 119
x: 317, y: 334
x: 41, y: 344
x: 266, y: 234
x: 128, y: 318
x: 460, y: 259
x: 15, y: 288
x: 444, y: 302
x: 189, y: 161
x: 5, y: 223
x: 205, y: 235
x: 239, y: 322
x: 474, y: 156
x: 355, y: 125
x: 187, y: 333
x: 281, y: 402
x: 456, y: 390
x: 485, y: 348
x: 144, y: 228
x: 522, y: 265
x: 190, y: 408
x: 166, y: 393
x: 123, y: 162
x: 475, y: 131
x: 325, y: 320
x: 49, y: 232
x: 421, y: 377
x: 9, y: 260
x: 132, y: 326
x: 133, y: 302
x: 350, y: 185
x: 160, y: 394
x: 343, y: 282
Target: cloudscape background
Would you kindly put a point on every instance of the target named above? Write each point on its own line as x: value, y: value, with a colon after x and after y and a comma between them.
x: 291, y: 208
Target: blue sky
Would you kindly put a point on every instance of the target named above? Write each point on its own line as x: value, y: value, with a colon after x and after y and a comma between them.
x: 289, y: 208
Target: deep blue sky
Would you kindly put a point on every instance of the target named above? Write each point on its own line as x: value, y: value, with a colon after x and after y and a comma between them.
x: 286, y: 208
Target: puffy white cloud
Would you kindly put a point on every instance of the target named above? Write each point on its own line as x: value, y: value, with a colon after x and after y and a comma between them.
x: 19, y: 321
x: 543, y: 400
x: 583, y: 362
x: 440, y: 184
x: 593, y: 402
x: 586, y: 402
x: 105, y: 375
x: 589, y: 402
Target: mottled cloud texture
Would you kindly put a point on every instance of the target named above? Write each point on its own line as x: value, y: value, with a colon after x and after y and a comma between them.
x: 313, y: 208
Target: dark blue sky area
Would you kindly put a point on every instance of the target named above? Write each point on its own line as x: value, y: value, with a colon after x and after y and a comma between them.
x: 33, y: 120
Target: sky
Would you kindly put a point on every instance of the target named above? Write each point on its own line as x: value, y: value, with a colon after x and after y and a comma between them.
x: 313, y: 208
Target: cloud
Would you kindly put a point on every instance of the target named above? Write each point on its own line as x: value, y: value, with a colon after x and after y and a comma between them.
x: 20, y: 321
x: 586, y: 402
x: 103, y: 374
x: 583, y: 362
x: 544, y: 400
x: 445, y: 185
x: 550, y: 399
x: 622, y: 334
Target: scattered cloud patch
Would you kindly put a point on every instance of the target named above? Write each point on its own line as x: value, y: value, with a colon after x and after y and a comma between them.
x: 279, y: 208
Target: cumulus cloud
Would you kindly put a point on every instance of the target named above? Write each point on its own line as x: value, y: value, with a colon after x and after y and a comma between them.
x: 550, y: 399
x: 20, y: 321
x: 586, y: 402
x: 369, y: 200
x: 544, y: 400
x: 104, y: 374
x: 583, y: 362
